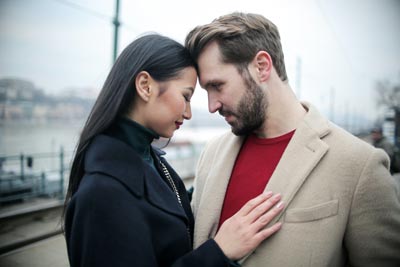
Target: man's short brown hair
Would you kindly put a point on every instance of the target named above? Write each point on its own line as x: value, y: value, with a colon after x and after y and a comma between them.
x: 240, y: 37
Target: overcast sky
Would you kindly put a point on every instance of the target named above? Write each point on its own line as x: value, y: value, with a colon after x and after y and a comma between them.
x: 344, y: 46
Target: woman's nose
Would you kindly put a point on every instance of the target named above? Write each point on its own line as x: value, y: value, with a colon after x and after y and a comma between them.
x: 187, y: 115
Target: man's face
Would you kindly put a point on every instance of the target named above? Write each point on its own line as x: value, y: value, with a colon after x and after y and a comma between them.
x: 376, y: 135
x: 237, y: 97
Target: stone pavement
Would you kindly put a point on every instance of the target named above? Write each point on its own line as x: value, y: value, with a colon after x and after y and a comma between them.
x: 51, y: 252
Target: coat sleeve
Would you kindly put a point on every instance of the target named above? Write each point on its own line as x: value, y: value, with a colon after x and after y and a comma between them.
x: 103, y: 229
x: 373, y: 235
x: 208, y: 254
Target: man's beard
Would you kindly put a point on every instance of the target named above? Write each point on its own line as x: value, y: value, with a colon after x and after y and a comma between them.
x: 251, y: 110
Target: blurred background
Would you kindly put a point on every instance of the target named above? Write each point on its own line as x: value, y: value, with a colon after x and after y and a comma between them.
x: 343, y: 56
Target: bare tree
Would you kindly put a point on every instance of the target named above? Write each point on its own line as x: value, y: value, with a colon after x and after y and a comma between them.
x: 388, y: 95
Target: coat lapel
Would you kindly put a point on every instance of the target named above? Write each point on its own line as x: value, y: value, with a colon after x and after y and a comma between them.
x: 212, y: 199
x: 161, y: 195
x: 302, y: 154
x: 118, y: 160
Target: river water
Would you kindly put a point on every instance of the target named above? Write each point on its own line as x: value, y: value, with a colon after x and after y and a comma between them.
x: 29, y: 138
x: 38, y: 137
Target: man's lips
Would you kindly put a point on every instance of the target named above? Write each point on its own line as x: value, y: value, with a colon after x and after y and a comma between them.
x: 228, y: 116
x: 226, y: 113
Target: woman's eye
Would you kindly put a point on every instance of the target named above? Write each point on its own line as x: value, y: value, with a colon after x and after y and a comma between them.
x: 187, y: 98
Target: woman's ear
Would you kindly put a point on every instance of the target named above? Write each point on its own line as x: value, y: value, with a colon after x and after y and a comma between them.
x: 142, y: 83
x: 263, y: 64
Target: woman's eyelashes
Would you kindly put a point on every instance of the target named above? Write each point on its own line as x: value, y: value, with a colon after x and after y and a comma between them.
x: 187, y: 97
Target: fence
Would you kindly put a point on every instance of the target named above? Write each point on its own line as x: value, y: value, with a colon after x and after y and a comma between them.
x: 27, y: 176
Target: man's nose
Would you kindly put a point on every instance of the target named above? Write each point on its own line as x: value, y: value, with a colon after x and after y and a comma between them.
x: 213, y: 103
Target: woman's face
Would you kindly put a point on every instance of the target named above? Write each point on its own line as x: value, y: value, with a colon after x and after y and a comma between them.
x: 171, y: 103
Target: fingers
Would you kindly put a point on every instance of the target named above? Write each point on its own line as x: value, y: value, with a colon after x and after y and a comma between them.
x: 267, y: 232
x: 253, y: 203
x: 262, y: 208
x: 245, y: 230
x: 267, y: 217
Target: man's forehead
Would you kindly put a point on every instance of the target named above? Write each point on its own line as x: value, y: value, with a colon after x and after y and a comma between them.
x: 205, y: 83
x: 212, y: 73
x: 208, y: 74
x: 211, y: 68
x: 210, y: 55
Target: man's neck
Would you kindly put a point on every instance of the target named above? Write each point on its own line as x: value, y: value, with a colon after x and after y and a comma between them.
x: 283, y: 115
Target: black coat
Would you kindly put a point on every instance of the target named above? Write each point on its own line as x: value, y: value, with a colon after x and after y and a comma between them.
x: 125, y: 214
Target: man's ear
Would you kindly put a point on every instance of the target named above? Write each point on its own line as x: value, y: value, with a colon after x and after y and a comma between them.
x: 142, y: 83
x: 263, y: 64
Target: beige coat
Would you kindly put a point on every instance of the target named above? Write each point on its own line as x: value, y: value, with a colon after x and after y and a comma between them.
x: 342, y: 205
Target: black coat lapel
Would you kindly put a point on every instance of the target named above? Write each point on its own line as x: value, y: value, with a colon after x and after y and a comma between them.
x: 113, y: 157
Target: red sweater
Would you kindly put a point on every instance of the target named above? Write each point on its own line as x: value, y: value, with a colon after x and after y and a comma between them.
x: 253, y: 168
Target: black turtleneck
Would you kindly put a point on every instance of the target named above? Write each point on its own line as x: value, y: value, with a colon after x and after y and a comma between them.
x: 136, y: 136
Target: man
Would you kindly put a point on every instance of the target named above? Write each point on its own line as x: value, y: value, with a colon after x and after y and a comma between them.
x: 380, y: 141
x: 342, y: 207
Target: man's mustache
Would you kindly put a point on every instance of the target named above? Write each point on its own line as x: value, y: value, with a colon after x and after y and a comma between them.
x: 224, y: 112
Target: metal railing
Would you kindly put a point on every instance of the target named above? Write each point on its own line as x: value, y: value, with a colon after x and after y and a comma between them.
x: 27, y: 176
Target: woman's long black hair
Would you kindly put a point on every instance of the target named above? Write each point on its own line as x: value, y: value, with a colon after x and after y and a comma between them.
x: 162, y: 57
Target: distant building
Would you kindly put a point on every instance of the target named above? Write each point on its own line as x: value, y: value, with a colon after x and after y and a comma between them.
x: 389, y: 126
x: 21, y: 100
x: 17, y: 89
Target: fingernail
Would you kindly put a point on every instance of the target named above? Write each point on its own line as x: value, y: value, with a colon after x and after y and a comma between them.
x: 279, y: 205
x: 268, y: 194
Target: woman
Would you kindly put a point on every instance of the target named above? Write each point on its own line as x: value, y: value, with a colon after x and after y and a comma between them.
x: 125, y: 205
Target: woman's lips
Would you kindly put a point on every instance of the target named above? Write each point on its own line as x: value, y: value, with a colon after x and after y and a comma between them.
x: 178, y: 124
